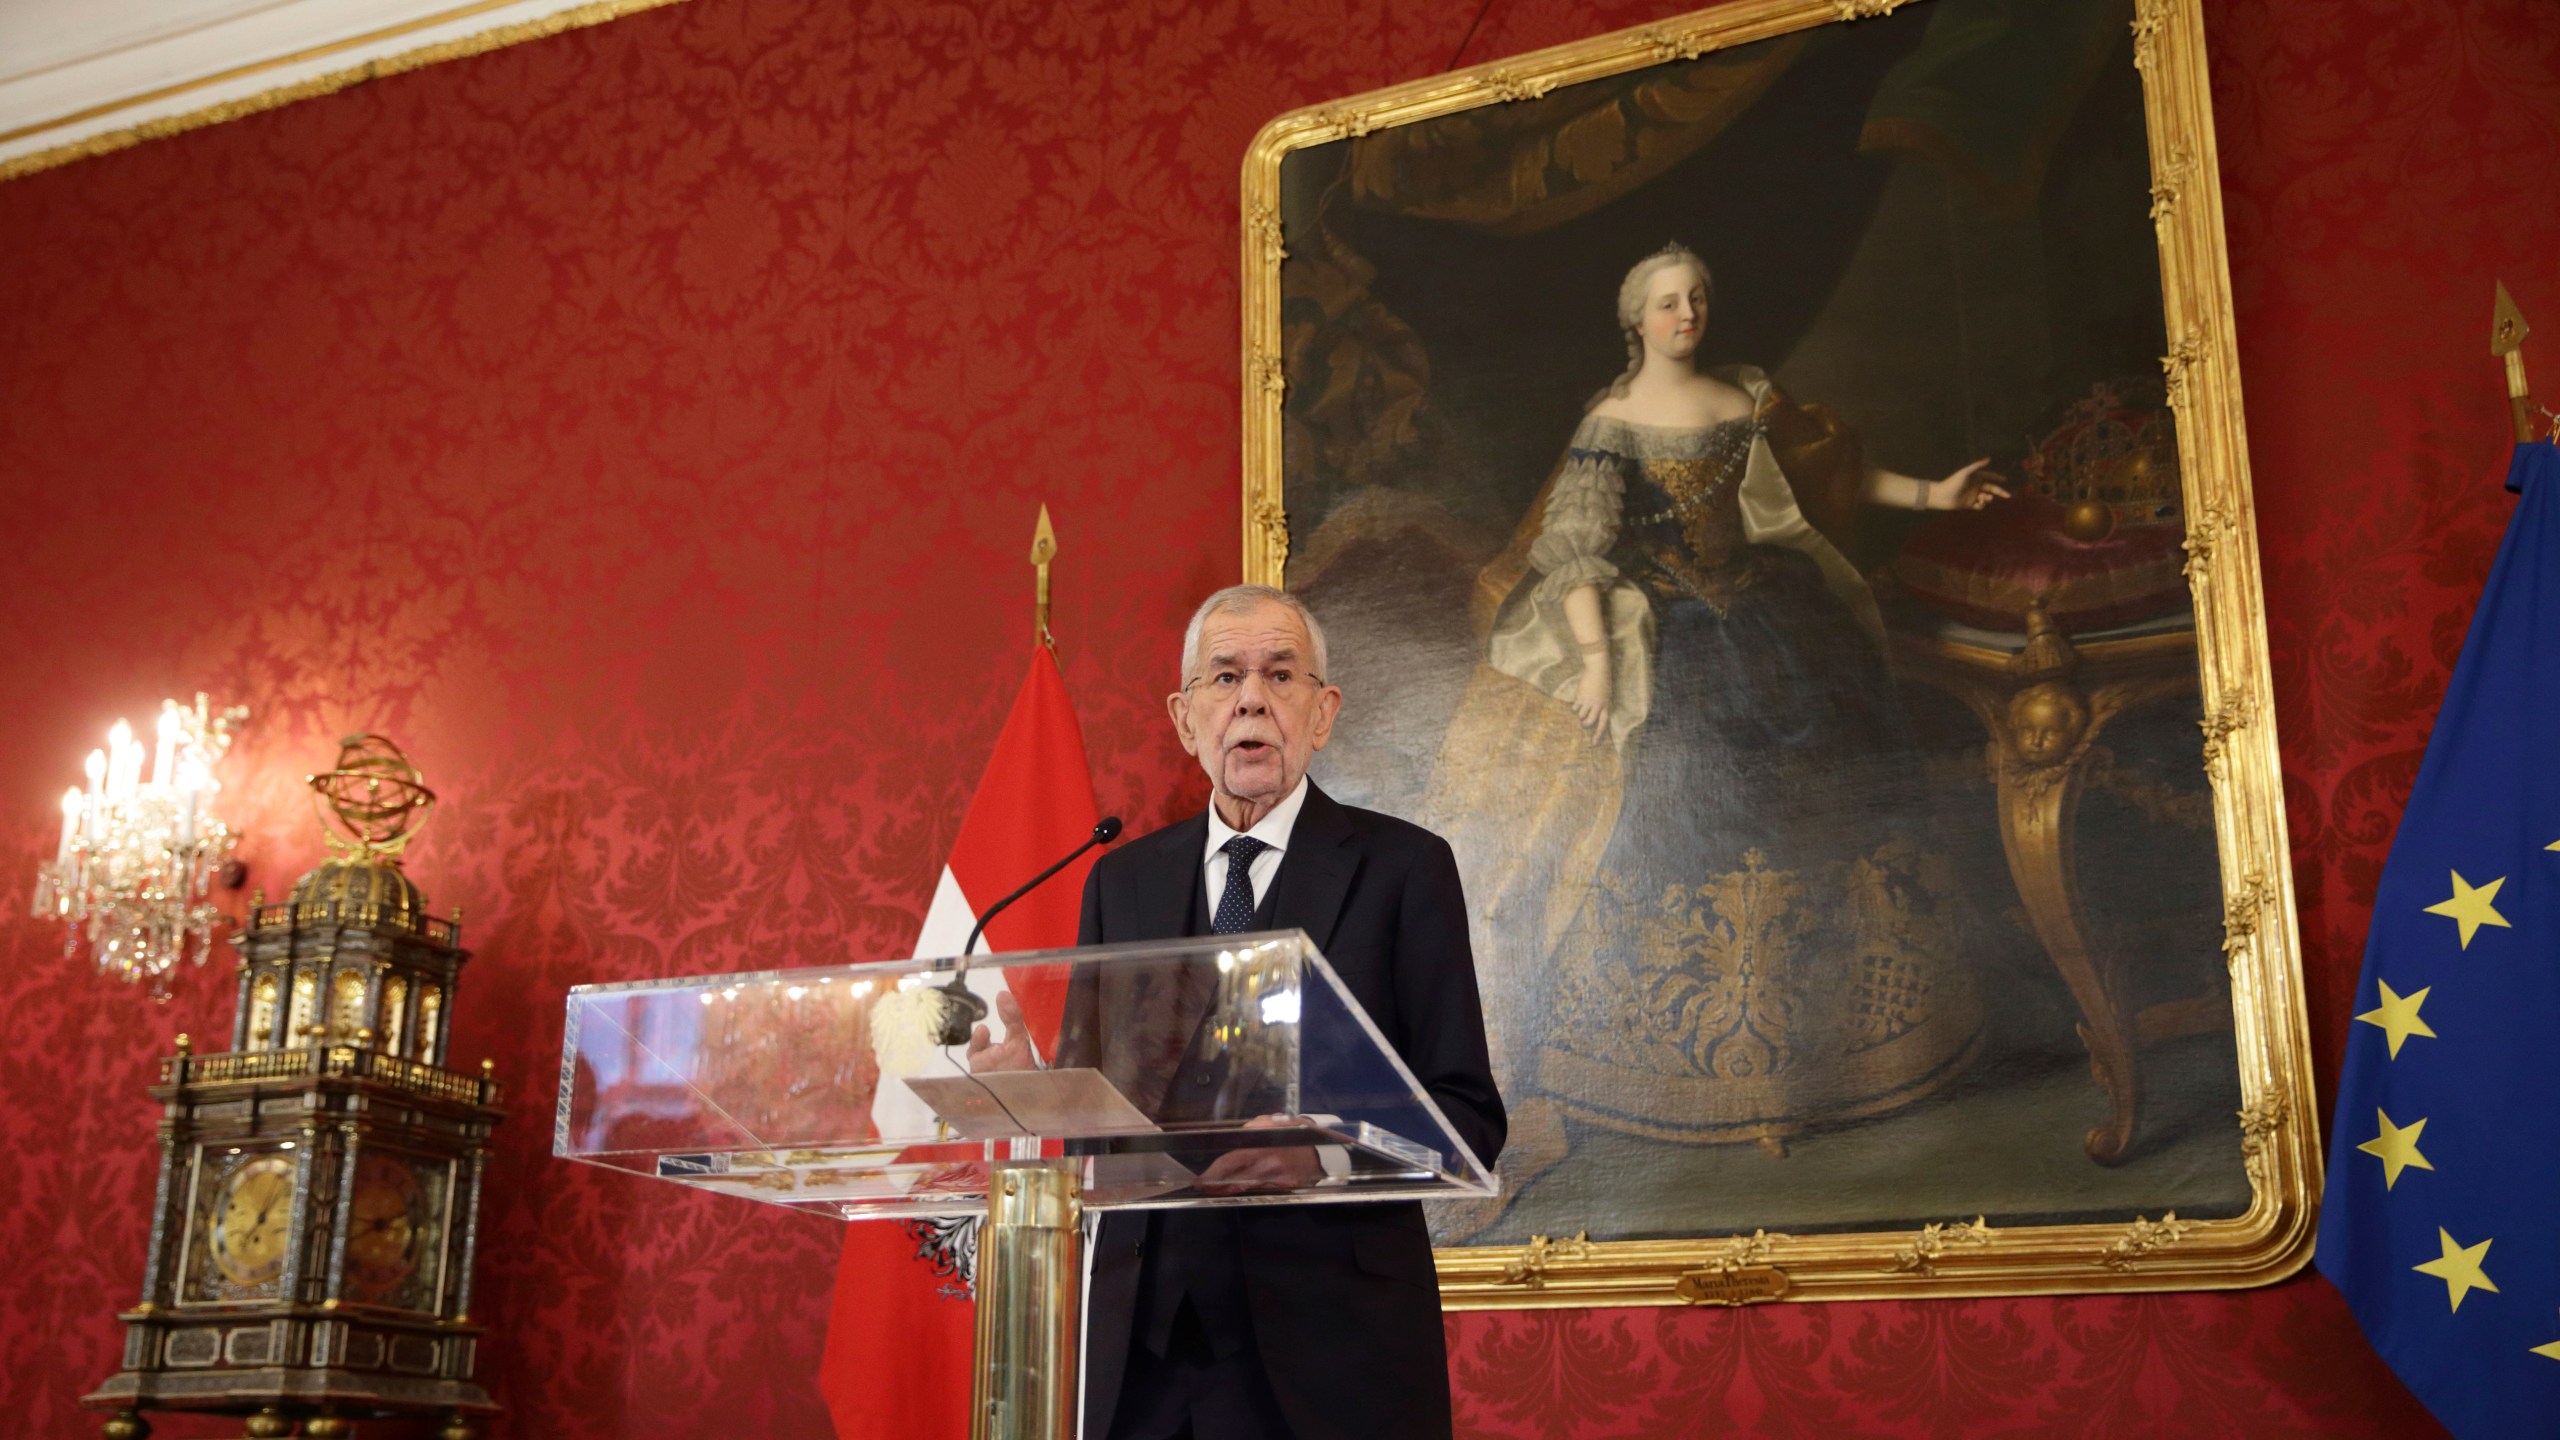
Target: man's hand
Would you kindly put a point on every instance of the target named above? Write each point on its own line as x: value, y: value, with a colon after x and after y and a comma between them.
x: 1014, y: 1051
x: 1242, y: 1172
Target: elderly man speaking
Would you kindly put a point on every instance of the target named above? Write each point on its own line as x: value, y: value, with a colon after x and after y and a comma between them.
x: 1286, y: 1322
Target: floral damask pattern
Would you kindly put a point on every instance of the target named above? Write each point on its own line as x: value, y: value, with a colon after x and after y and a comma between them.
x: 645, y: 425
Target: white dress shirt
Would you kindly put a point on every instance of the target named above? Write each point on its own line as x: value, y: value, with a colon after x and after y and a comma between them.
x: 1272, y: 830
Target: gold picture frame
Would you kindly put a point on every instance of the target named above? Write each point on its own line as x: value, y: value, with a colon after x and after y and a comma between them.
x: 2274, y: 1137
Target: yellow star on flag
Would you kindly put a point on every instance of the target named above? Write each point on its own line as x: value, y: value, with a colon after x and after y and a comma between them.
x: 2397, y: 1146
x: 2459, y: 1267
x: 2550, y: 1351
x: 2470, y: 907
x: 2397, y: 1016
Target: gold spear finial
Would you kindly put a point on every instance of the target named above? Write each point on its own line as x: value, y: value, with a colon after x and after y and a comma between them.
x: 2507, y: 329
x: 1044, y: 548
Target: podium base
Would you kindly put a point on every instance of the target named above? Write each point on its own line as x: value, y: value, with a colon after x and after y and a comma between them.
x: 1030, y: 1297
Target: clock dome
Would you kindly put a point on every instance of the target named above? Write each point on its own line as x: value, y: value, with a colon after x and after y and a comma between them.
x: 355, y: 885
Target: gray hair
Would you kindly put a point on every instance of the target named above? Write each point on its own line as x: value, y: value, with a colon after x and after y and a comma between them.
x: 1245, y: 597
x: 1631, y: 293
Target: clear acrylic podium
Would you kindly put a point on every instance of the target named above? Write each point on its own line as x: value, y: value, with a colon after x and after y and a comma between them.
x: 1159, y: 1069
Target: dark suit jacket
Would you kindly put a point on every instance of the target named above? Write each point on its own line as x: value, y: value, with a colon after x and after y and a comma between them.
x: 1344, y: 1302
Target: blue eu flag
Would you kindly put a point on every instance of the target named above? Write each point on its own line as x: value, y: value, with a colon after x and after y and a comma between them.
x: 2443, y: 1216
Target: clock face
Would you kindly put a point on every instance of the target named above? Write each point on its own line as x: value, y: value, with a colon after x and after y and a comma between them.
x: 395, y: 1232
x: 249, y: 1225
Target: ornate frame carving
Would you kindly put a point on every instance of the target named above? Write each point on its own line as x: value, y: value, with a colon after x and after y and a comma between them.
x: 2279, y: 1133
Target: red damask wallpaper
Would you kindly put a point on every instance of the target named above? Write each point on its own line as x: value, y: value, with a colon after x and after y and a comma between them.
x: 645, y: 426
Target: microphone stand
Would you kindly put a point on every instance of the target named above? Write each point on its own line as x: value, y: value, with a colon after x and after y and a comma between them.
x: 962, y: 1010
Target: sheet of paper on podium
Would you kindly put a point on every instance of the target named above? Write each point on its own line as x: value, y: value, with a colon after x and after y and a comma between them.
x: 1005, y: 1104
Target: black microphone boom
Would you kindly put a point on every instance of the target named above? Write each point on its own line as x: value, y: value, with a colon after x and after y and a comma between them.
x: 961, y: 1009
x: 1103, y: 834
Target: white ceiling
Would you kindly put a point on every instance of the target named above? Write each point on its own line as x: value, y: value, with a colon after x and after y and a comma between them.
x: 82, y: 75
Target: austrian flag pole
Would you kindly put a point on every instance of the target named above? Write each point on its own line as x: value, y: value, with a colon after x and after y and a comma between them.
x: 901, y: 1337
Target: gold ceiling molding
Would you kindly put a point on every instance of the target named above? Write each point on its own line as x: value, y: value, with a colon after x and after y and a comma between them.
x: 495, y: 38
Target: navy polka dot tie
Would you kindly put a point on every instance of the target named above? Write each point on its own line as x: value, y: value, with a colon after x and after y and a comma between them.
x: 1235, y: 907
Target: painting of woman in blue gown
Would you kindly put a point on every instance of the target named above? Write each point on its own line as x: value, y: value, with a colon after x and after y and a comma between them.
x: 1680, y: 601
x: 1608, y: 415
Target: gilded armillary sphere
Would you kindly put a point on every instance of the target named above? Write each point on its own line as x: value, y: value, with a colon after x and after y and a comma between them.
x: 373, y: 800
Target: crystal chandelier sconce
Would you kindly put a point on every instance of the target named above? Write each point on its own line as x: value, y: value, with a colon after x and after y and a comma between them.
x: 141, y: 848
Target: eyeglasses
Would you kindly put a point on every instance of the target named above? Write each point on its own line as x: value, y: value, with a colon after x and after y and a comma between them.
x: 1282, y: 682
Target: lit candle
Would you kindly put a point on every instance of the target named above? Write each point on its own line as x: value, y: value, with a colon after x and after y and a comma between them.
x: 70, y: 825
x: 97, y: 767
x: 187, y: 819
x: 123, y: 758
x: 168, y: 751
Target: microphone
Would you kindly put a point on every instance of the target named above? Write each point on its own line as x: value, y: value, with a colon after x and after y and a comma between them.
x: 961, y: 1009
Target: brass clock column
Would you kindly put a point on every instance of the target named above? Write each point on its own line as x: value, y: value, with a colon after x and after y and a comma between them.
x: 312, y: 1235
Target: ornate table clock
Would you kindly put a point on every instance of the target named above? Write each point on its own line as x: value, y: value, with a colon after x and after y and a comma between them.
x: 313, y: 1231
